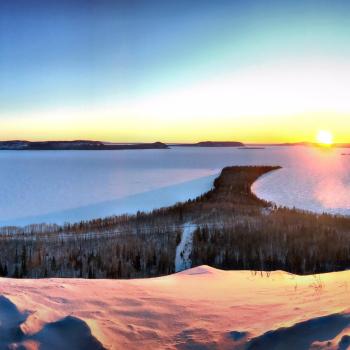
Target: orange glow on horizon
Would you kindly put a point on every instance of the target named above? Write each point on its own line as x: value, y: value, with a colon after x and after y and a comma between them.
x: 277, y: 103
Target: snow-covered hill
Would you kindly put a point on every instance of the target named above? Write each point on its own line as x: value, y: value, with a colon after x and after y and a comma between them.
x: 201, y: 308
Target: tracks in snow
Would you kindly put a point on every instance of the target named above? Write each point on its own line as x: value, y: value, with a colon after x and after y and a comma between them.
x: 183, y: 250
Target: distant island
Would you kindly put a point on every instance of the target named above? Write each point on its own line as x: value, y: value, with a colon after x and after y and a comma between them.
x: 295, y: 144
x: 76, y: 145
x: 212, y: 144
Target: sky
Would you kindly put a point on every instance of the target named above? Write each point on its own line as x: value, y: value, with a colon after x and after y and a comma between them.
x: 174, y: 71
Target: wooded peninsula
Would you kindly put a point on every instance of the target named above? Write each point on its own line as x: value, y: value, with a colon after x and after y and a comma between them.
x: 233, y: 230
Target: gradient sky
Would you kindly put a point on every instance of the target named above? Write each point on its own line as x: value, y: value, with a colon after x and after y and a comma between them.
x: 181, y: 70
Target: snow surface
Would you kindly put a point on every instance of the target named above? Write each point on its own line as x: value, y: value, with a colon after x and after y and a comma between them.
x: 200, y: 308
x: 145, y: 201
x: 68, y: 186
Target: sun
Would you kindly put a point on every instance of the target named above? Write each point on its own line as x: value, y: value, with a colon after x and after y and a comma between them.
x: 324, y: 138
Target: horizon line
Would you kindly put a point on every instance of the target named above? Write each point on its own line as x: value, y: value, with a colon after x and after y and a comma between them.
x: 166, y: 142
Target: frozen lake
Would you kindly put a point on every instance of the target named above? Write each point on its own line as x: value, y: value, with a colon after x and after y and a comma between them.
x: 62, y: 186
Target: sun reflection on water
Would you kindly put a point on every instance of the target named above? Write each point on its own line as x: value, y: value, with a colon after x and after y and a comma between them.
x: 332, y: 189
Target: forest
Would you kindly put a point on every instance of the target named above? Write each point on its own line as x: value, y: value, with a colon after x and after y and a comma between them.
x: 234, y: 230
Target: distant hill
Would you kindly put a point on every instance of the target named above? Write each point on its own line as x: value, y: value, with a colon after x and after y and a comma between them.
x: 337, y: 145
x: 81, y: 145
x: 295, y: 144
x: 212, y: 144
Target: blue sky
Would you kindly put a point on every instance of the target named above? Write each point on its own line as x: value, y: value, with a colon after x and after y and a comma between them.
x: 71, y: 55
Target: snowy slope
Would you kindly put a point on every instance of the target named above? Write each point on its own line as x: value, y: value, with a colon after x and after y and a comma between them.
x: 201, y: 308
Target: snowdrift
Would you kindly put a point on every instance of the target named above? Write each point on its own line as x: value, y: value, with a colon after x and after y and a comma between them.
x: 201, y: 308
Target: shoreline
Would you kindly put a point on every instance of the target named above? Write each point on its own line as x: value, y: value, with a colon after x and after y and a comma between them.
x: 62, y: 222
x: 268, y: 170
x: 233, y: 230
